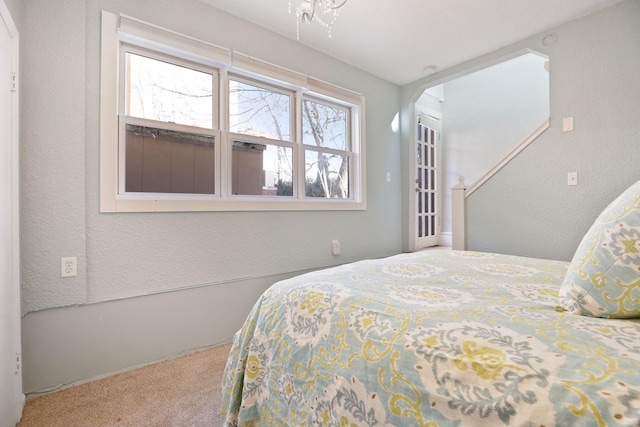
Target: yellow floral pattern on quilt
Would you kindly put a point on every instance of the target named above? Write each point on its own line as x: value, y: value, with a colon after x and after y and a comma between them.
x: 603, y: 279
x: 435, y: 338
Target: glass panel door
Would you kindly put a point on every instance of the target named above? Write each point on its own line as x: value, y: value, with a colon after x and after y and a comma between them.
x: 426, y: 183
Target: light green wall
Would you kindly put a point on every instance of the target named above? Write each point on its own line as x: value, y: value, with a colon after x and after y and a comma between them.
x: 527, y: 208
x: 486, y: 115
x: 206, y: 260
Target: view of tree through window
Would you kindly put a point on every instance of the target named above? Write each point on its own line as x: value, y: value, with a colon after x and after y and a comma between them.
x: 265, y: 113
x: 259, y: 111
x: 157, y: 90
x: 326, y: 171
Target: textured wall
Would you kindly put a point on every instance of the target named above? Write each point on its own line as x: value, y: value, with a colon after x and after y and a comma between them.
x: 528, y: 209
x: 137, y: 254
x: 52, y: 124
x: 486, y: 114
x: 216, y: 262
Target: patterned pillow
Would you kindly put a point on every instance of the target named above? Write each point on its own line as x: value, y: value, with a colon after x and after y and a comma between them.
x: 603, y: 279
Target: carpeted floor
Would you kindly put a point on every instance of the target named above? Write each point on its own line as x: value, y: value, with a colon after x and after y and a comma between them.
x: 185, y: 391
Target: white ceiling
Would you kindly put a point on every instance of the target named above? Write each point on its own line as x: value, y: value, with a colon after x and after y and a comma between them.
x: 398, y: 40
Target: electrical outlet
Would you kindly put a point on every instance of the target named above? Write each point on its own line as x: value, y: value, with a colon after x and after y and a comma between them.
x: 68, y: 267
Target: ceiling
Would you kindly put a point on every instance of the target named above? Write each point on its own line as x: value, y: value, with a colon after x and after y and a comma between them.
x: 404, y: 40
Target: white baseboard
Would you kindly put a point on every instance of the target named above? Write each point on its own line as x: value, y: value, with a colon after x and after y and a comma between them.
x: 445, y: 239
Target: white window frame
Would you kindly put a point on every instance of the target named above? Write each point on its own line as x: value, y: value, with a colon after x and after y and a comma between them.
x: 349, y: 153
x: 267, y: 86
x: 240, y: 137
x: 121, y: 32
x: 124, y: 120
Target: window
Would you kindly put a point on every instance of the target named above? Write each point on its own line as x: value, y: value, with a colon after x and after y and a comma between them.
x: 263, y: 165
x: 259, y: 110
x: 167, y: 121
x: 172, y: 93
x: 199, y: 127
x: 327, y: 142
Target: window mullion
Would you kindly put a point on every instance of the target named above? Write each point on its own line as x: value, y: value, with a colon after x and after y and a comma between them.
x: 168, y: 126
x: 299, y: 183
x: 327, y: 150
x: 223, y: 165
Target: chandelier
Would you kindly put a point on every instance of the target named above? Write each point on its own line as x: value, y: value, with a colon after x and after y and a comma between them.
x: 306, y: 12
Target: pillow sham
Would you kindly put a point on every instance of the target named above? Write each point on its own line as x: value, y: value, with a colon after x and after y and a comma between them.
x: 603, y: 279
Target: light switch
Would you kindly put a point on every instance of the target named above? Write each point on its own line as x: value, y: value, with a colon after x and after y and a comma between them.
x: 572, y: 178
x: 335, y: 247
x: 567, y: 124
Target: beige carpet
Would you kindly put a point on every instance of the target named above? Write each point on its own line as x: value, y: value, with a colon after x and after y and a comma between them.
x: 185, y: 391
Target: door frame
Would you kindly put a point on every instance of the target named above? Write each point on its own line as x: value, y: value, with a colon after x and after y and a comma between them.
x: 410, y: 216
x: 17, y: 401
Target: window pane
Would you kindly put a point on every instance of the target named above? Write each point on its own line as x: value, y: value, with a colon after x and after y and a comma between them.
x: 258, y: 111
x: 324, y: 125
x: 157, y: 90
x: 166, y: 161
x: 262, y: 169
x: 326, y: 175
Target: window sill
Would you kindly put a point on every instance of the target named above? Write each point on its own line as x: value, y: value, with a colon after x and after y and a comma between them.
x: 126, y: 204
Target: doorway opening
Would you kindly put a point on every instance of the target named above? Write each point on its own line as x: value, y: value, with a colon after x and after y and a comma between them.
x: 482, y: 116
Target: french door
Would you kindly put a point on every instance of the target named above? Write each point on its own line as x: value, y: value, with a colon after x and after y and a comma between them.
x: 427, y: 181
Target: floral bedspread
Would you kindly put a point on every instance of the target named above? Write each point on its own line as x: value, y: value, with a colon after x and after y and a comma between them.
x: 435, y: 338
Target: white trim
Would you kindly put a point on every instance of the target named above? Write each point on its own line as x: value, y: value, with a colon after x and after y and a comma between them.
x: 330, y: 91
x: 445, y: 239
x: 108, y: 113
x: 18, y: 400
x: 299, y: 173
x: 514, y: 152
x: 123, y: 29
x: 253, y: 67
x: 455, y: 72
x: 431, y: 114
x: 458, y: 222
x: 143, y: 34
x: 359, y: 155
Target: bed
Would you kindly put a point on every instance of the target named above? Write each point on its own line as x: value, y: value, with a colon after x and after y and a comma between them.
x: 439, y: 338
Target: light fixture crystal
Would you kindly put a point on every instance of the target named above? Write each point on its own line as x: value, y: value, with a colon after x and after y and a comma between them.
x: 307, y: 11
